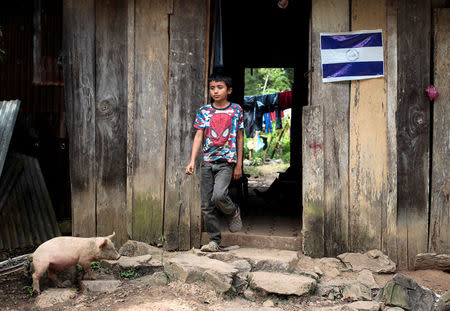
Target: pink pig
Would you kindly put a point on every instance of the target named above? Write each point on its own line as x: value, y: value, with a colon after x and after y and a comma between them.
x: 62, y: 252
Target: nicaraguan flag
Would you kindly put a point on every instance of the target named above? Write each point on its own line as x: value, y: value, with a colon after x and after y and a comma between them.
x: 352, y: 55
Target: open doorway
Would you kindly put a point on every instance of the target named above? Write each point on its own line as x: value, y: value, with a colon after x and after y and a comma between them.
x: 252, y: 40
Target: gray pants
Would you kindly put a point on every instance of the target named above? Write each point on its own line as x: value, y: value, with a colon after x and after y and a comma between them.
x: 215, y: 179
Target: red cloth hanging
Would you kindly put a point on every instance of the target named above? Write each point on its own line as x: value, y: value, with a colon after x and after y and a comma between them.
x: 285, y: 99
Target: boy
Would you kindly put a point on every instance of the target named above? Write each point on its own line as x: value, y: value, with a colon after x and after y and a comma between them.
x: 220, y: 126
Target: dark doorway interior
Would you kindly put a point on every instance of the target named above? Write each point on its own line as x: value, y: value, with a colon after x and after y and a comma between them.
x: 259, y: 34
x: 30, y: 71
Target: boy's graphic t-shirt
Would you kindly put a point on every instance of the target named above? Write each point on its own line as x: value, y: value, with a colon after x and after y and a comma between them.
x: 220, y: 128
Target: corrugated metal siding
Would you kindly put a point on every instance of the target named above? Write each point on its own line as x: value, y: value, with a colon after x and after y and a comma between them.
x: 27, y: 218
x: 8, y: 115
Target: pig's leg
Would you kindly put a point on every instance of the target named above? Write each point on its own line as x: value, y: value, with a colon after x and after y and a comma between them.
x: 87, y: 269
x: 39, y: 270
x: 52, y: 276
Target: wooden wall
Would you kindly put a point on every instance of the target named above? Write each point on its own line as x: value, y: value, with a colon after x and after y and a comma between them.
x: 439, y: 237
x: 367, y: 185
x: 135, y: 74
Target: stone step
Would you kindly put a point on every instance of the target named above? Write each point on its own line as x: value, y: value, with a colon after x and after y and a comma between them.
x: 191, y: 268
x: 260, y: 259
x: 257, y: 241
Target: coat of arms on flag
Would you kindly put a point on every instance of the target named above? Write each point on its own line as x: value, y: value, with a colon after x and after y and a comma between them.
x: 352, y: 55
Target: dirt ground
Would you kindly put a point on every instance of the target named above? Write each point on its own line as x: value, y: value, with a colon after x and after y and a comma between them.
x: 177, y: 296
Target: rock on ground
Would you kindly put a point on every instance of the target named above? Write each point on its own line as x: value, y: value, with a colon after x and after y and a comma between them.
x: 444, y: 302
x: 282, y: 283
x: 155, y: 279
x: 261, y: 259
x: 366, y: 278
x: 135, y: 248
x: 362, y: 306
x: 357, y: 291
x: 53, y: 296
x: 373, y: 260
x: 191, y: 268
x: 405, y: 293
x: 103, y: 286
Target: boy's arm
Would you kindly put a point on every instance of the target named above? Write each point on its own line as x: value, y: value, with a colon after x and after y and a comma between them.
x: 195, y: 148
x: 237, y: 173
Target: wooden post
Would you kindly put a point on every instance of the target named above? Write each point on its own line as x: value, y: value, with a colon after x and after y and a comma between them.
x: 332, y: 16
x: 413, y: 114
x: 110, y: 116
x: 368, y: 141
x: 389, y: 216
x: 440, y: 185
x: 186, y: 92
x: 313, y: 205
x: 150, y: 120
x: 79, y: 89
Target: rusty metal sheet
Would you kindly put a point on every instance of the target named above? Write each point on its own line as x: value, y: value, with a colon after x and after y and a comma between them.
x: 27, y: 218
x: 8, y: 116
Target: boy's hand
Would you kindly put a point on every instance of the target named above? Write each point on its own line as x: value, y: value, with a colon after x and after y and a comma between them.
x: 237, y: 172
x: 190, y: 168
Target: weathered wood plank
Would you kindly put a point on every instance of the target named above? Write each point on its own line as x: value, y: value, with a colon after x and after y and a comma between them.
x: 111, y: 117
x: 186, y: 91
x: 440, y: 184
x: 432, y: 261
x: 414, y: 23
x: 368, y: 141
x: 313, y: 179
x: 389, y: 213
x: 131, y: 108
x: 332, y: 16
x: 79, y: 89
x: 151, y: 91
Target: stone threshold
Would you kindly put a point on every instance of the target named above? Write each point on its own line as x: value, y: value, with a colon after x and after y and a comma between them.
x: 257, y: 241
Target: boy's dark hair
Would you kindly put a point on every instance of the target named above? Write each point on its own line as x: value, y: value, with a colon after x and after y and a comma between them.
x: 221, y: 77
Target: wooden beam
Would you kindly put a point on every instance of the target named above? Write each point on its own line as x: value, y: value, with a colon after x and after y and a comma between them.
x: 389, y: 213
x: 79, y: 89
x: 332, y: 16
x: 313, y: 205
x: 131, y: 109
x: 440, y: 184
x: 413, y: 129
x: 151, y: 91
x: 110, y: 116
x: 432, y: 261
x: 186, y: 93
x: 368, y: 141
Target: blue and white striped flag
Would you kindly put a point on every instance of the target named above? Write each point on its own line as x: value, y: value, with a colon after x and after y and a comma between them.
x: 352, y: 55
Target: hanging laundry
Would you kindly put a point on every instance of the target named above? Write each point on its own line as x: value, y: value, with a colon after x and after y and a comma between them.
x: 285, y: 99
x: 267, y: 123
x: 254, y: 108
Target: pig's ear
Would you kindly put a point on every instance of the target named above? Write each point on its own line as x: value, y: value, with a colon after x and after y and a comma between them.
x: 111, y: 236
x: 104, y: 243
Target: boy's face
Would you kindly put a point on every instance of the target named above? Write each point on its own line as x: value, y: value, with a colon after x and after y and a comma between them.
x: 219, y: 91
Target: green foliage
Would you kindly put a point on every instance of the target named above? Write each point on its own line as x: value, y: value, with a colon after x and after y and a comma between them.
x: 79, y: 267
x: 96, y: 265
x: 278, y: 80
x: 129, y: 273
x: 29, y: 290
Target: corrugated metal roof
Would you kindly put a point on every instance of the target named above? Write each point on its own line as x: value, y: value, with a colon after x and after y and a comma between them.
x: 27, y: 218
x: 8, y: 116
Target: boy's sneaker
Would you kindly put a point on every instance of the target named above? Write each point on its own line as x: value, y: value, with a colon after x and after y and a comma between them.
x: 235, y: 222
x: 210, y: 247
